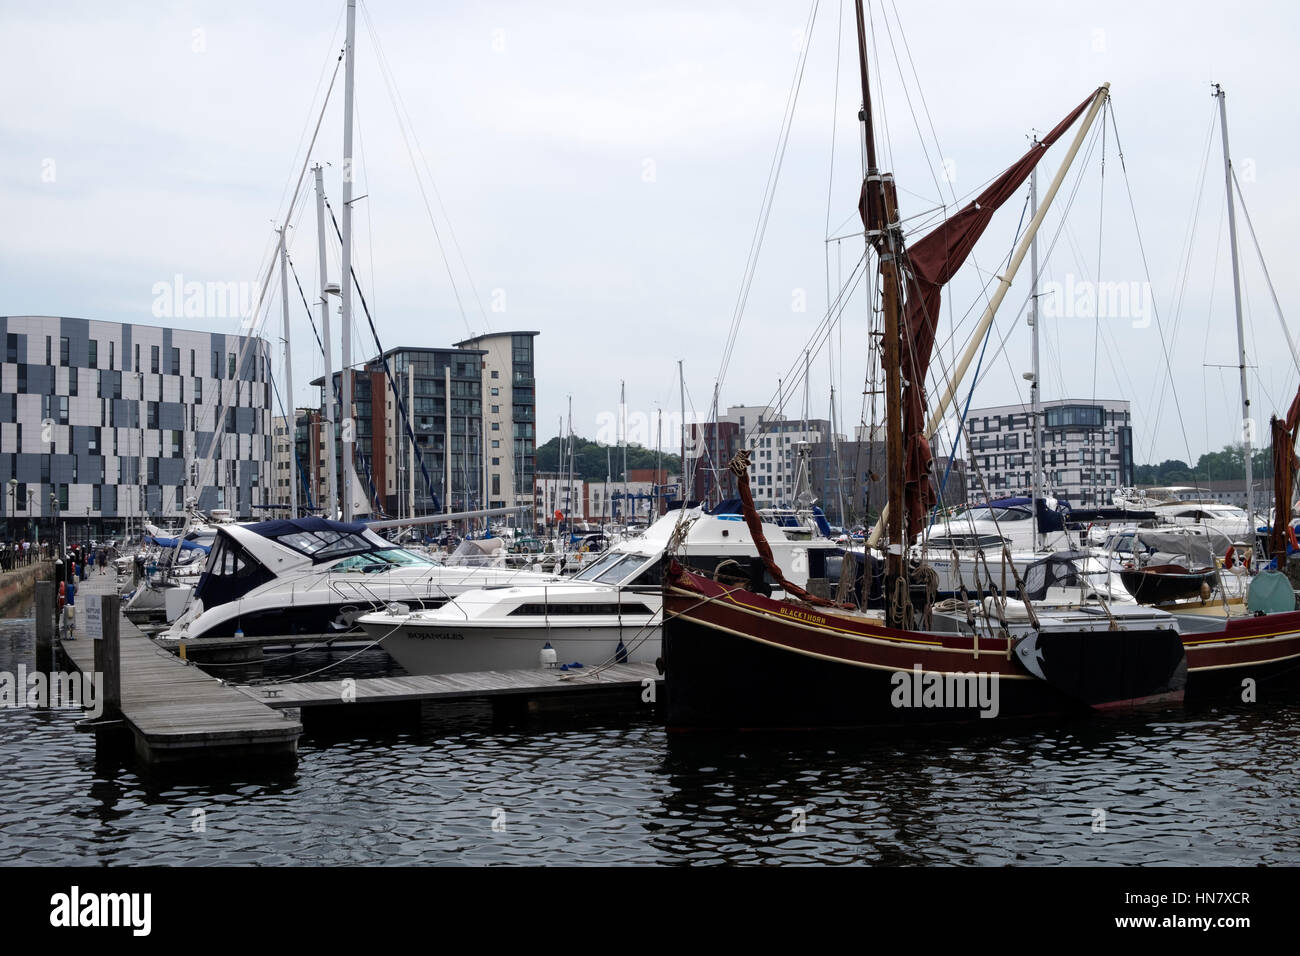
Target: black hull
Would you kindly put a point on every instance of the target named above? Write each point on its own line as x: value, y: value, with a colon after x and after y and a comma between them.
x: 718, y: 681
x: 1153, y: 587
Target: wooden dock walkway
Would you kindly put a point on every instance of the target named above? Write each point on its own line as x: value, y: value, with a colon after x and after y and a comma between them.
x: 630, y: 683
x: 175, y: 711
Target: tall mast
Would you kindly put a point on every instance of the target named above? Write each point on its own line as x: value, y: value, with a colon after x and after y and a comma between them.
x: 288, y: 376
x: 1246, y: 425
x: 410, y: 451
x: 681, y: 382
x: 1035, y: 396
x: 349, y: 426
x: 659, y: 461
x: 569, y: 529
x: 331, y: 469
x: 622, y: 411
x: 882, y: 234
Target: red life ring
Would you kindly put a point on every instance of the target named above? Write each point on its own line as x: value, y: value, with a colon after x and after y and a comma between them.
x: 1291, y: 538
x: 1232, y: 553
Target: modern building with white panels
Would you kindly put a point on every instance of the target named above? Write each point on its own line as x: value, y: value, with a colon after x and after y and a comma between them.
x: 108, y: 423
x: 1087, y: 450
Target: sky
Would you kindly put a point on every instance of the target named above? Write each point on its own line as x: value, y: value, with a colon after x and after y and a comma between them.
x: 596, y: 171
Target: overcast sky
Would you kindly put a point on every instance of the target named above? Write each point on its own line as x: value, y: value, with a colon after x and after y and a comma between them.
x: 601, y: 167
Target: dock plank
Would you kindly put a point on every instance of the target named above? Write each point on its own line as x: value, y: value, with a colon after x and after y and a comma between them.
x: 175, y: 710
x: 465, y: 686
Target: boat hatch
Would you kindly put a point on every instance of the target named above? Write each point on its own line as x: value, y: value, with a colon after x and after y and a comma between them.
x: 612, y: 568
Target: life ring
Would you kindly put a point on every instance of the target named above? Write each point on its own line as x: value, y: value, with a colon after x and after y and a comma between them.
x: 1229, y: 560
x: 1292, y: 543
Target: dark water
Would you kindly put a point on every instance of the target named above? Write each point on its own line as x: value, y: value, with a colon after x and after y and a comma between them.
x: 1216, y: 787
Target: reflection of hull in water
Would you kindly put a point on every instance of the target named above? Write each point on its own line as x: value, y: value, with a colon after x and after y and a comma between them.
x: 1158, y: 584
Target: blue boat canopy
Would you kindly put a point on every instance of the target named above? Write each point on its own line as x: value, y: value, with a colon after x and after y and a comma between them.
x: 171, y: 543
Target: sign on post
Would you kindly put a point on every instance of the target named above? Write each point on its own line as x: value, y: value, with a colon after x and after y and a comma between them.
x: 92, y: 616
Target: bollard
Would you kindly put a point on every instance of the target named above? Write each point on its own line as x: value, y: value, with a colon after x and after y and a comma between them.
x: 108, y: 656
x: 44, y: 627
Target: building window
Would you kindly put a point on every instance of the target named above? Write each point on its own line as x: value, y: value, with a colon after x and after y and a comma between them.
x: 64, y: 351
x: 152, y: 413
x: 495, y: 390
x: 112, y: 355
x: 11, y: 348
x: 176, y: 361
x: 198, y: 390
x: 216, y: 365
x: 48, y: 360
x: 191, y: 363
x: 63, y: 497
x: 63, y: 409
x: 137, y: 358
x: 72, y: 381
x: 96, y: 497
x: 153, y: 359
x: 496, y: 426
x: 496, y: 374
x: 496, y: 461
x: 496, y: 409
x: 93, y: 360
x: 230, y: 365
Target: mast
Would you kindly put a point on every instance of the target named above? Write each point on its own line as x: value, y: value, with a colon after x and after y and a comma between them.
x: 681, y: 382
x: 346, y: 372
x: 940, y: 407
x: 883, y: 235
x: 1236, y: 297
x: 446, y: 436
x: 288, y: 375
x: 569, y: 529
x: 622, y: 411
x: 331, y: 468
x: 410, y: 453
x: 659, y: 461
x: 1035, y: 396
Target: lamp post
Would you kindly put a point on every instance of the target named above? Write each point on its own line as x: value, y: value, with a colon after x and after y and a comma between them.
x: 54, y: 510
x: 31, y: 518
x: 13, y: 503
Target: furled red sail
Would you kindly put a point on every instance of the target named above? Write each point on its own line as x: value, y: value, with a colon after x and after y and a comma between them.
x: 932, y: 261
x: 1285, y: 465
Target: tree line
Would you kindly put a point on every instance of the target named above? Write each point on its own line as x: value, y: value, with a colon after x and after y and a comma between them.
x: 1222, y: 465
x: 593, y: 461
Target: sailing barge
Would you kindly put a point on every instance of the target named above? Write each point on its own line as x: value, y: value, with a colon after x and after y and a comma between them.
x: 736, y: 659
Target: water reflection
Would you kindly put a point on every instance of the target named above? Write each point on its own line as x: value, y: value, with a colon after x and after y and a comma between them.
x: 461, y: 785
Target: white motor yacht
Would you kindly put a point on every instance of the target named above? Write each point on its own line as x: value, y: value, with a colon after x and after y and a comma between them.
x: 313, y: 576
x: 609, y: 611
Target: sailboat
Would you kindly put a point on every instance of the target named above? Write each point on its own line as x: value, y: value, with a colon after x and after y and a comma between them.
x: 736, y: 659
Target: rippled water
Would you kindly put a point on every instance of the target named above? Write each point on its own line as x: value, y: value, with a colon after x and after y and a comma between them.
x: 1214, y: 787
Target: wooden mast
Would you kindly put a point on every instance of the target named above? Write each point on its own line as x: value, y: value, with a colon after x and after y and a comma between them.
x: 884, y: 236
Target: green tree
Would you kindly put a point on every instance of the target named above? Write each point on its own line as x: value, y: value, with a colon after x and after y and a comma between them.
x: 593, y: 461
